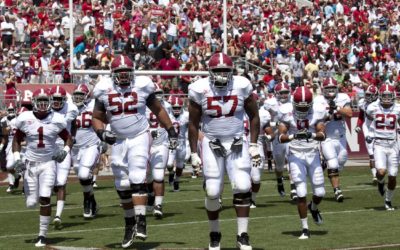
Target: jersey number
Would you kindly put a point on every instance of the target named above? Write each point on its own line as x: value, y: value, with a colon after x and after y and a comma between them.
x: 153, y: 121
x: 221, y: 109
x: 40, y: 135
x: 85, y: 120
x: 380, y: 121
x: 127, y: 107
x: 302, y: 124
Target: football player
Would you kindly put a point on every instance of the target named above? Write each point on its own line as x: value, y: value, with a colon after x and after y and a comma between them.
x: 180, y: 120
x: 8, y: 131
x: 86, y: 150
x: 364, y: 125
x: 158, y: 157
x: 60, y: 105
x: 40, y: 128
x: 219, y: 102
x: 385, y: 116
x: 303, y: 129
x: 121, y: 101
x: 334, y: 148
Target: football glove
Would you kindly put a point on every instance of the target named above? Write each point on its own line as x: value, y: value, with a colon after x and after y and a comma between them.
x: 357, y: 129
x: 303, y: 135
x: 59, y: 156
x: 102, y: 147
x: 369, y: 139
x: 107, y: 136
x: 332, y: 107
x: 196, y: 161
x: 173, y: 138
x: 255, y: 155
x: 19, y: 166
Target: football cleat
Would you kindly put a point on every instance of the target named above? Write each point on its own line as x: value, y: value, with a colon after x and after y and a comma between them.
x: 293, y: 195
x: 388, y: 206
x: 339, y: 195
x: 141, y: 227
x: 316, y: 215
x: 305, y: 234
x: 281, y: 189
x: 176, y: 186
x: 129, y: 236
x: 57, y: 222
x: 94, y: 184
x: 87, y: 212
x: 93, y: 207
x: 253, y: 204
x: 195, y: 174
x: 40, y: 241
x: 16, y: 182
x: 374, y: 181
x: 10, y: 188
x: 157, y: 212
x: 242, y: 242
x: 215, y: 239
x: 381, y: 188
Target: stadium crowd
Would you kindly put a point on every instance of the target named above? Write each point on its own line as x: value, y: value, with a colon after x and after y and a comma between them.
x: 296, y: 41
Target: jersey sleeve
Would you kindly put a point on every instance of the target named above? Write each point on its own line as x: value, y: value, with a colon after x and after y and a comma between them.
x: 146, y: 84
x: 248, y: 88
x: 195, y: 93
x: 72, y: 113
x: 265, y: 118
x: 59, y: 122
x: 345, y: 100
x: 370, y: 110
x: 3, y: 122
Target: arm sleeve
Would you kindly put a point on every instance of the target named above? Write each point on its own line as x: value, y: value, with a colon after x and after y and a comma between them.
x: 194, y: 95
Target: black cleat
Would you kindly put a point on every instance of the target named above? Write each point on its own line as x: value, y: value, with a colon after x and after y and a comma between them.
x: 281, y: 189
x: 242, y: 242
x: 40, y: 241
x: 141, y: 227
x: 176, y: 186
x: 215, y: 239
x: 16, y: 182
x: 87, y: 212
x: 305, y: 234
x: 316, y: 215
x: 388, y: 206
x: 171, y: 177
x: 93, y: 206
x: 339, y: 195
x: 157, y: 212
x: 129, y: 236
x: 381, y: 188
x: 293, y: 195
x: 253, y: 204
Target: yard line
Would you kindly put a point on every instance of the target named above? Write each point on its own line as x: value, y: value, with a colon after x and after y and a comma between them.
x: 185, y: 223
x: 369, y: 247
x: 166, y: 202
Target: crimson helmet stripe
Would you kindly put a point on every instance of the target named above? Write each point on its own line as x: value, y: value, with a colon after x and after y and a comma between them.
x: 303, y: 94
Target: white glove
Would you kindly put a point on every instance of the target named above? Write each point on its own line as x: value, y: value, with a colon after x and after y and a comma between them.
x: 255, y: 155
x: 196, y: 161
x: 1, y: 146
x: 357, y: 129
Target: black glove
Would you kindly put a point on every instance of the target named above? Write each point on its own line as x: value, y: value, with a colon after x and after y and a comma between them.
x: 173, y: 138
x: 19, y: 166
x: 59, y: 156
x: 102, y: 147
x: 237, y: 145
x: 303, y: 135
x: 332, y: 106
x: 369, y: 139
x: 217, y: 148
x: 107, y: 136
x: 154, y: 134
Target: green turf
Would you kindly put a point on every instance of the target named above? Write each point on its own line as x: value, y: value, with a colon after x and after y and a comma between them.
x: 359, y: 221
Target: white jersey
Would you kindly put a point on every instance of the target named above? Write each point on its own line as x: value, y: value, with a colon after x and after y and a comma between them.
x: 85, y: 134
x: 157, y: 131
x: 271, y: 105
x: 181, y: 124
x: 168, y: 107
x: 10, y: 124
x: 335, y: 128
x: 265, y: 119
x: 294, y: 125
x: 362, y: 106
x: 222, y: 109
x: 125, y: 107
x: 69, y: 111
x: 385, y: 120
x: 40, y: 135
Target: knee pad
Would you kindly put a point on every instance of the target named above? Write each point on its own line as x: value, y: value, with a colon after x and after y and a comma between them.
x: 158, y: 175
x: 242, y: 199
x: 85, y: 182
x: 301, y: 189
x: 139, y: 189
x: 84, y: 173
x: 319, y: 191
x: 44, y: 201
x: 170, y: 168
x: 255, y: 175
x: 212, y: 204
x: 212, y: 191
x: 333, y: 172
x: 125, y: 196
x: 30, y: 203
x: 332, y: 163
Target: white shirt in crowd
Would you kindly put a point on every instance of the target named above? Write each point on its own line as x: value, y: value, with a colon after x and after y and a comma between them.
x: 5, y: 25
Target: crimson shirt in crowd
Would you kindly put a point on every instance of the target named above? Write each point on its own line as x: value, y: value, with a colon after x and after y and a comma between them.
x: 168, y: 64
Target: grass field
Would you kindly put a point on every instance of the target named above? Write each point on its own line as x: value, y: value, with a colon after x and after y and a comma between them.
x: 359, y: 223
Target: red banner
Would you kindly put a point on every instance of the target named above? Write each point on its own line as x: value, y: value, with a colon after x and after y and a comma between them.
x: 157, y: 11
x: 355, y: 142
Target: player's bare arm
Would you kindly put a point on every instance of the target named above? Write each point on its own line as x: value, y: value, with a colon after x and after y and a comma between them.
x: 346, y: 111
x: 158, y: 110
x: 65, y: 135
x: 99, y: 118
x: 194, y: 123
x: 283, y: 136
x: 250, y: 106
x: 319, y: 132
x: 4, y: 137
x: 16, y: 143
x: 269, y: 132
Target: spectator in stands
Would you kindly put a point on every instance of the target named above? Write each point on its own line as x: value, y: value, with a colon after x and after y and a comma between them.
x: 175, y: 89
x: 20, y: 29
x: 297, y: 70
x: 168, y: 63
x: 7, y: 31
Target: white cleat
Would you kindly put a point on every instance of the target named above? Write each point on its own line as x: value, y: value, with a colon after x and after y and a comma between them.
x: 305, y: 234
x: 57, y: 222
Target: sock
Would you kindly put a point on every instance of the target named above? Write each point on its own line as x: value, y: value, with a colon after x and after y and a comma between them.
x: 94, y: 178
x: 214, y: 225
x: 381, y: 181
x: 177, y: 178
x: 129, y: 221
x: 158, y: 200
x: 140, y: 209
x: 314, y: 206
x: 279, y: 180
x: 389, y: 195
x: 253, y: 196
x: 304, y: 223
x: 60, y: 207
x: 242, y: 223
x: 373, y: 171
x: 293, y: 186
x: 129, y: 213
x: 44, y: 225
x: 87, y: 189
x: 11, y: 179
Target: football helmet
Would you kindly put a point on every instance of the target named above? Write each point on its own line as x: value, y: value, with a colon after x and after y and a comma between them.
x: 58, y: 97
x: 159, y: 92
x: 21, y: 110
x: 302, y: 102
x: 122, y: 71
x: 330, y: 88
x: 282, y: 92
x: 41, y: 101
x: 371, y: 94
x: 387, y: 95
x: 11, y: 111
x: 177, y: 105
x: 220, y: 67
x: 80, y: 95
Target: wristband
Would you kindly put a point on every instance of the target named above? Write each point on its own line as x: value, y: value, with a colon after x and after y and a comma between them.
x: 268, y: 137
x: 99, y: 134
x: 313, y: 135
x: 17, y: 156
x: 67, y: 149
x: 291, y: 137
x: 252, y: 144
